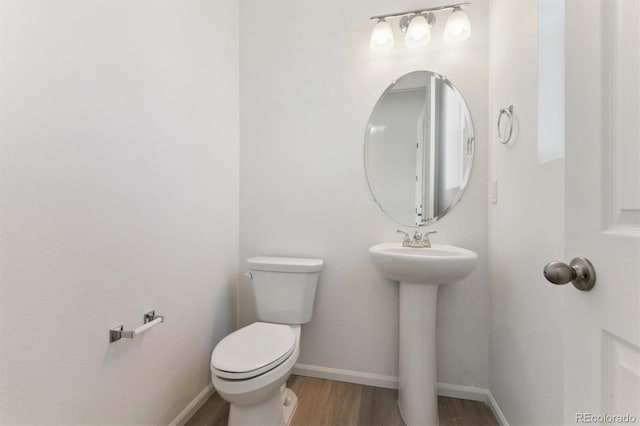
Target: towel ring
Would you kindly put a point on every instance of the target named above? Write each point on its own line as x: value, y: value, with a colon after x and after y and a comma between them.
x: 509, y: 113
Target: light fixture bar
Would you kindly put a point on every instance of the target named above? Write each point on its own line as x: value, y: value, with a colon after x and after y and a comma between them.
x: 417, y: 11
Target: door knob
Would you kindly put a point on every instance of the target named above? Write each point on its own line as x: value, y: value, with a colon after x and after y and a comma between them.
x: 580, y: 272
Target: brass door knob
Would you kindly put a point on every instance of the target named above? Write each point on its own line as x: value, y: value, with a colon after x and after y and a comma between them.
x: 580, y: 272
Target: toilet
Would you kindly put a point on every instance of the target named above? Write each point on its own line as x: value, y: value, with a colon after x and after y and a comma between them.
x: 250, y: 367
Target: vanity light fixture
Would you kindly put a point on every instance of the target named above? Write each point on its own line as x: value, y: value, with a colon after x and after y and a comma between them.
x: 419, y: 30
x: 458, y: 27
x: 417, y: 25
x: 381, y: 37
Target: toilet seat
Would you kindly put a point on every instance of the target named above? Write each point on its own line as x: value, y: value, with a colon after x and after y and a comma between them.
x: 253, y: 350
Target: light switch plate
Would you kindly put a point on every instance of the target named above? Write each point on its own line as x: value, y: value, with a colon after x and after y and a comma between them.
x: 493, y: 191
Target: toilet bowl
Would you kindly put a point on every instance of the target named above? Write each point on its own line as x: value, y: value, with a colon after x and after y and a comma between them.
x: 250, y: 367
x: 254, y: 383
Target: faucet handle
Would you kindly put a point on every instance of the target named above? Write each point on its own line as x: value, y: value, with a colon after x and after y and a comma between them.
x: 425, y: 239
x: 407, y: 239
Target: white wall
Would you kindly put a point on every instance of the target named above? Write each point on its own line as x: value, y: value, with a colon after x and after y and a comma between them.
x: 526, y: 230
x: 119, y: 194
x: 308, y: 85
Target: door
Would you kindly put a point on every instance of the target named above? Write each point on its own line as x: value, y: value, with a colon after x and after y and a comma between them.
x: 602, y: 326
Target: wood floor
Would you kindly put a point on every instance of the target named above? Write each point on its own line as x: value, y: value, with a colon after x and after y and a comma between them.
x: 329, y: 403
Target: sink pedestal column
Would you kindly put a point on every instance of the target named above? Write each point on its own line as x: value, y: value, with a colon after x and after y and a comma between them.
x: 417, y: 393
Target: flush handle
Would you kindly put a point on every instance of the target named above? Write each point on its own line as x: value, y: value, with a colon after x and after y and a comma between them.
x: 579, y: 272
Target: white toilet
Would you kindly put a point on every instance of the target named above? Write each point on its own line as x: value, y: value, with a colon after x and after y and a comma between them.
x: 249, y: 367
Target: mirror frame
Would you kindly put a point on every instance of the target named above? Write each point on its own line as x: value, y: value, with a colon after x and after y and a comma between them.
x: 471, y: 141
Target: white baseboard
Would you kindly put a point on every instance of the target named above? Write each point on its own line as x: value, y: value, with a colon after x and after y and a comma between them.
x: 391, y: 382
x: 474, y: 394
x: 493, y: 404
x: 463, y: 392
x: 193, y: 406
x: 350, y: 376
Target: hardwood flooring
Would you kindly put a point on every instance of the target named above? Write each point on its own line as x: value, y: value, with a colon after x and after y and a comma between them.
x: 329, y: 403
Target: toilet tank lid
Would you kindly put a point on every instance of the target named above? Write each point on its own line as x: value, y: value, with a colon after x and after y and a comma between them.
x: 285, y: 264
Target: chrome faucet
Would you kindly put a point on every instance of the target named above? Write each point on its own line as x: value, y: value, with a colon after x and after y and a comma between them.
x: 419, y: 239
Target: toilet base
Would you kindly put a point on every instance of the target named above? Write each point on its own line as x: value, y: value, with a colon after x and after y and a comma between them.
x: 289, y: 404
x: 277, y: 410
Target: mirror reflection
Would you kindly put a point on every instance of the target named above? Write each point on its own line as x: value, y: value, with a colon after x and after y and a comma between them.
x: 419, y: 148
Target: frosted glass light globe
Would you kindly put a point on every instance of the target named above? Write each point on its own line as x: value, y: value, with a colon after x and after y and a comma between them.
x: 381, y: 37
x: 458, y: 27
x: 418, y: 32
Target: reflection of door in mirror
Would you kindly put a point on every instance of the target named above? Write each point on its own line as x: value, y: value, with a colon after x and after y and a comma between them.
x: 449, y: 119
x: 440, y: 160
x: 423, y: 154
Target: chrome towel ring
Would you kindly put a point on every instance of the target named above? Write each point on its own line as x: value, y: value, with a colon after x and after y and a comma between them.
x: 508, y: 112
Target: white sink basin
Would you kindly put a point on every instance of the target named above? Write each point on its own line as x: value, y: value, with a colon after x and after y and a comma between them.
x: 439, y: 264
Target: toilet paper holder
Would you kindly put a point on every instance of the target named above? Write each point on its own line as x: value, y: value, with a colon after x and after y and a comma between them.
x: 150, y: 320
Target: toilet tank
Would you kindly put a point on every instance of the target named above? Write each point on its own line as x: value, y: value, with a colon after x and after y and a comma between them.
x: 284, y: 288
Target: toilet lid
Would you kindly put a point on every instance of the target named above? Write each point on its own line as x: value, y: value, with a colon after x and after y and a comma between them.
x: 253, y: 350
x: 285, y: 264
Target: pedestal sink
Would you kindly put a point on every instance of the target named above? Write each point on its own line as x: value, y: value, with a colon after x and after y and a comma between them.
x: 420, y: 271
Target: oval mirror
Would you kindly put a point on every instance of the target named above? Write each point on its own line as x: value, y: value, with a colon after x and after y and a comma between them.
x: 418, y: 148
